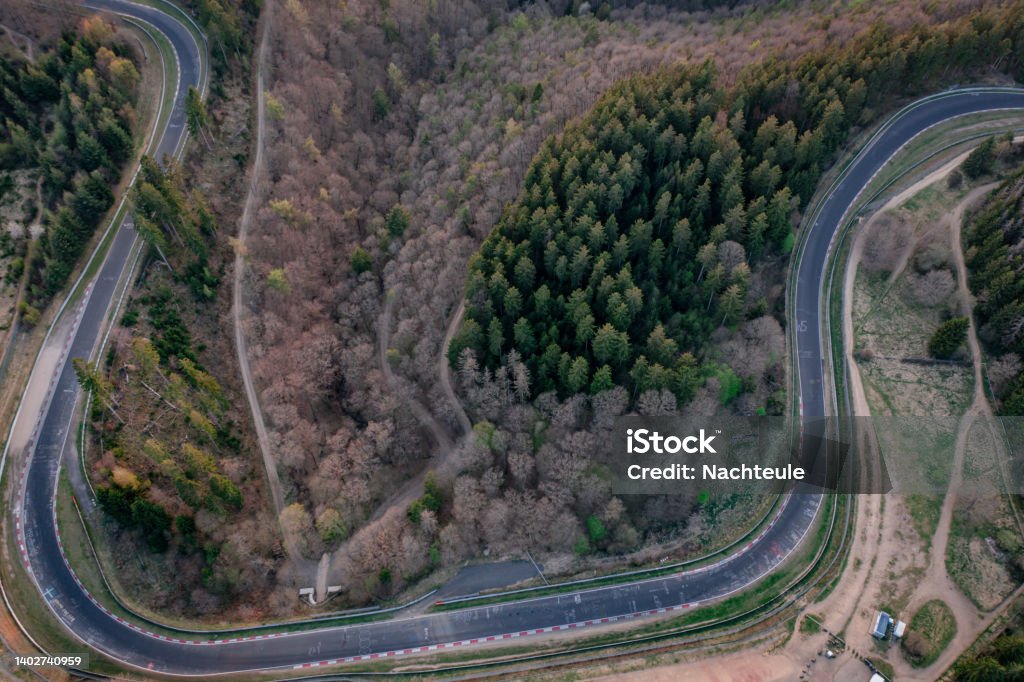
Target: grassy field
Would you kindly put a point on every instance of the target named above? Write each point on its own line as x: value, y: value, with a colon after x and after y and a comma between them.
x: 984, y: 538
x: 890, y: 324
x: 933, y: 627
x: 810, y: 625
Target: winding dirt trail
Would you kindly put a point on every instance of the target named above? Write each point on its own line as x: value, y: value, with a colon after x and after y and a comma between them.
x: 422, y: 414
x: 27, y: 52
x: 236, y: 313
x: 444, y: 369
x: 878, y: 524
x: 979, y: 404
x: 443, y: 461
x: 305, y: 567
x: 936, y: 583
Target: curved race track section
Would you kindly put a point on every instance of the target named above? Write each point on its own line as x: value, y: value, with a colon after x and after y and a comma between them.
x: 92, y: 624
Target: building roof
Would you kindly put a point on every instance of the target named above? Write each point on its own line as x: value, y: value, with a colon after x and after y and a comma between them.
x: 899, y: 629
x: 882, y: 621
x: 877, y: 678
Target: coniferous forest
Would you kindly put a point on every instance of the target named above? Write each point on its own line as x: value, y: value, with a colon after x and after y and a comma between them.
x: 638, y: 228
x: 632, y: 239
x: 71, y: 114
x: 991, y: 242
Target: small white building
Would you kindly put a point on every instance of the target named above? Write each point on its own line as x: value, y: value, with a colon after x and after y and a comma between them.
x: 899, y: 629
x: 877, y: 678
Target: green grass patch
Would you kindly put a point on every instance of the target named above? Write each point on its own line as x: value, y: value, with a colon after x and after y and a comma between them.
x: 883, y: 666
x: 930, y: 631
x: 810, y: 625
x: 924, y: 513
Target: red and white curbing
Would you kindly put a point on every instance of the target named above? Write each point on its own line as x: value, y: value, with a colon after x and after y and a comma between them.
x: 540, y: 631
x: 413, y: 650
x: 133, y: 626
x: 494, y: 638
x: 19, y: 529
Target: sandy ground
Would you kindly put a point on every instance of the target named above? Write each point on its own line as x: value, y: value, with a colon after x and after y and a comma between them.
x: 35, y: 392
x: 742, y: 667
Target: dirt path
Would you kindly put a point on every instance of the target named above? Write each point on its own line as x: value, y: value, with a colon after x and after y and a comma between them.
x: 843, y: 606
x: 882, y: 521
x: 441, y: 462
x: 979, y: 404
x: 236, y: 312
x: 27, y: 51
x: 422, y: 414
x: 936, y: 583
x: 444, y: 369
x: 930, y: 179
x: 305, y: 567
x: 910, y: 248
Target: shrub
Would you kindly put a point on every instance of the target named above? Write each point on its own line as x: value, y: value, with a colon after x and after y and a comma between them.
x: 948, y: 338
x: 979, y: 162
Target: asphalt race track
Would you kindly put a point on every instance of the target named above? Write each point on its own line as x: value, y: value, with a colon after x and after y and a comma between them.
x: 90, y: 623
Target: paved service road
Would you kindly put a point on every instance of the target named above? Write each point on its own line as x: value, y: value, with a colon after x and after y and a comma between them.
x: 93, y: 625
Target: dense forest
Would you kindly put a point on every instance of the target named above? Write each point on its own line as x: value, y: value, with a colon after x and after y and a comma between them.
x: 168, y: 454
x: 170, y: 465
x: 397, y: 136
x: 175, y: 448
x: 229, y: 26
x: 177, y: 223
x: 384, y: 178
x: 992, y: 238
x: 633, y: 237
x: 70, y: 113
x: 637, y: 229
x: 1002, y: 659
